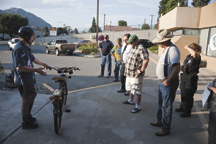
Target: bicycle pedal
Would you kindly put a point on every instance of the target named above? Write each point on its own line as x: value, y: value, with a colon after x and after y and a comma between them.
x: 67, y: 110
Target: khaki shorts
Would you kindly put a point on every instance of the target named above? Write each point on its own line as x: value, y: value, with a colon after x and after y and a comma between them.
x: 135, y: 85
x: 26, y: 90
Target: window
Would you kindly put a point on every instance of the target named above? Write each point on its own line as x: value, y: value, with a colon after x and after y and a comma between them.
x: 203, y: 38
x: 191, y: 32
x: 177, y: 32
x: 211, y: 51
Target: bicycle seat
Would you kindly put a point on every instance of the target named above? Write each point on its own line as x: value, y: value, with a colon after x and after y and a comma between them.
x: 59, y: 78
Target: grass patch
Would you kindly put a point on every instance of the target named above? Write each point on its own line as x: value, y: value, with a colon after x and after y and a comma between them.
x: 153, y: 49
x: 89, y: 48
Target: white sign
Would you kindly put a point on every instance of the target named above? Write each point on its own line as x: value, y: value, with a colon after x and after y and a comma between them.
x: 205, y: 95
x: 213, y: 42
x: 53, y: 31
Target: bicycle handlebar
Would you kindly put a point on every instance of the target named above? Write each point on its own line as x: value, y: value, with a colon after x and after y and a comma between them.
x: 63, y: 69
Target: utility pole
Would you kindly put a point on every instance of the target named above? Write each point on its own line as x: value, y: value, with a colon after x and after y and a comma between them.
x: 144, y: 24
x: 97, y: 22
x: 110, y: 25
x: 104, y: 22
x: 151, y: 20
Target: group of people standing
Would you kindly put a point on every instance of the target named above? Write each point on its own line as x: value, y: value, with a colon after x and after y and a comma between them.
x: 132, y: 59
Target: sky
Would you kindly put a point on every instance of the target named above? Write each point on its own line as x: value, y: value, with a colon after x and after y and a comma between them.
x: 79, y: 13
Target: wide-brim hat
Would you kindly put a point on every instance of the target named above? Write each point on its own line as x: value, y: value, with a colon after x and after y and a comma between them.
x: 162, y: 36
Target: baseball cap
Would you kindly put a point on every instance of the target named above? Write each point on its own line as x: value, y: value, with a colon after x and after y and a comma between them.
x: 132, y: 37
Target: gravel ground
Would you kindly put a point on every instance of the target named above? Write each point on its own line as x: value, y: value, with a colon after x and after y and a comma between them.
x: 38, y: 86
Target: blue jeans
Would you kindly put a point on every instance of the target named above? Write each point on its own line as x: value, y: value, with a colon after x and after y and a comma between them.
x: 105, y: 60
x: 166, y: 98
x: 117, y: 69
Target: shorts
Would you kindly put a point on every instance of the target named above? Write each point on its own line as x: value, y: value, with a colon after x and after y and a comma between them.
x: 135, y: 85
x: 26, y: 90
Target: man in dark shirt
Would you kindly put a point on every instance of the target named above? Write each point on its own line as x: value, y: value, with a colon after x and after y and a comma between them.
x: 24, y: 76
x: 105, y: 49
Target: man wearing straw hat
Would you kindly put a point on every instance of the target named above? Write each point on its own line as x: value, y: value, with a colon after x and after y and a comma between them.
x: 167, y: 71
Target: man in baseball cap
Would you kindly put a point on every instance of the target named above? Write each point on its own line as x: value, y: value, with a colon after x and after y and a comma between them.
x: 137, y: 62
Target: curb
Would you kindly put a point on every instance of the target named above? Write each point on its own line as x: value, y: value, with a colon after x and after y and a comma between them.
x: 92, y: 56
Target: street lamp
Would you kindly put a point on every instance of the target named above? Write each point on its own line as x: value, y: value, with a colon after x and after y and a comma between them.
x: 62, y: 23
x: 104, y: 21
x: 97, y: 22
x: 151, y: 20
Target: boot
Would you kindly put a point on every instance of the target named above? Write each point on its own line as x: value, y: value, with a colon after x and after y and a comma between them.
x: 179, y: 109
x: 26, y: 124
x: 32, y: 119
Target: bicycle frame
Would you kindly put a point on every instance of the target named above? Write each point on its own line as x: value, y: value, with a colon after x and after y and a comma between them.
x: 59, y: 96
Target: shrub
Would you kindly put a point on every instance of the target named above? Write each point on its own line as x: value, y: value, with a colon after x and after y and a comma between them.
x: 89, y: 48
x: 153, y: 48
x: 1, y: 69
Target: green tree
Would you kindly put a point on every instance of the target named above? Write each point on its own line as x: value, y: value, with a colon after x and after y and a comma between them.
x: 122, y: 23
x: 156, y: 26
x: 68, y: 28
x: 171, y: 4
x: 76, y: 31
x: 200, y: 3
x: 45, y: 29
x: 145, y: 26
x: 162, y: 7
x: 93, y: 29
x: 11, y: 23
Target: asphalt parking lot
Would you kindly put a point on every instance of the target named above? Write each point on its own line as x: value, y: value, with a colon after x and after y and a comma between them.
x: 97, y: 113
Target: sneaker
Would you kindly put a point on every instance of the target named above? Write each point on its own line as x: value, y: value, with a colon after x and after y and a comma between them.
x: 108, y: 77
x: 127, y: 93
x: 100, y: 76
x: 115, y: 80
x: 162, y: 133
x: 135, y: 110
x: 155, y: 123
x: 29, y: 125
x: 127, y: 102
x: 179, y: 109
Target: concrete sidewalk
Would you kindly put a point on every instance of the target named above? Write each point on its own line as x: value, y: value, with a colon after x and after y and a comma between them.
x: 98, y: 116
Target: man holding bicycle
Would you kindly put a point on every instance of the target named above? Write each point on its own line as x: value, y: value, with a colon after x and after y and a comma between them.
x: 24, y: 76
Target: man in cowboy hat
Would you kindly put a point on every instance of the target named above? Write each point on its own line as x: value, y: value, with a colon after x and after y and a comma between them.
x: 167, y: 71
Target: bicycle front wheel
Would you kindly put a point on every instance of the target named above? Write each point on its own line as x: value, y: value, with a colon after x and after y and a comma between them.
x: 57, y: 120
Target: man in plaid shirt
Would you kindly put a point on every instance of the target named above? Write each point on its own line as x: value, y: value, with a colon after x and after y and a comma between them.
x: 138, y: 59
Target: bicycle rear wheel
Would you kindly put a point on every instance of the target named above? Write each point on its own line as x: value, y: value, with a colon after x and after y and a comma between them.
x: 57, y: 119
x: 65, y: 95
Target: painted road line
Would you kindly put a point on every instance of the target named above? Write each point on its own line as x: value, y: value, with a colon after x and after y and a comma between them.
x: 92, y: 87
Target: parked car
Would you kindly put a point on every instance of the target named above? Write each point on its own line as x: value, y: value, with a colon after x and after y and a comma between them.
x: 6, y: 37
x: 12, y: 43
x: 79, y: 43
x: 60, y: 46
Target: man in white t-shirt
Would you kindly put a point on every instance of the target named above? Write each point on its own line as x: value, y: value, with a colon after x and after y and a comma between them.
x: 125, y: 51
x: 167, y: 71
